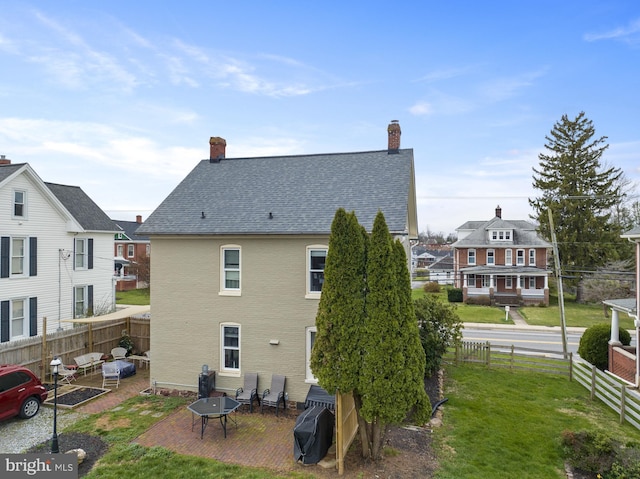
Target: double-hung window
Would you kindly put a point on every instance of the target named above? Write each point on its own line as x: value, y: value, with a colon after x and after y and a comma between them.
x: 19, y: 204
x: 230, y: 348
x: 471, y: 256
x: 316, y: 259
x: 81, y: 302
x: 80, y: 253
x: 520, y: 257
x: 532, y: 257
x: 508, y: 282
x: 120, y: 250
x: 18, y: 318
x: 508, y: 257
x: 17, y: 256
x: 230, y: 258
x: 130, y: 250
x: 311, y: 339
x: 491, y: 257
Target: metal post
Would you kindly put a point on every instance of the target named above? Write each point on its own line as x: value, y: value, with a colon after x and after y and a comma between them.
x: 55, y: 448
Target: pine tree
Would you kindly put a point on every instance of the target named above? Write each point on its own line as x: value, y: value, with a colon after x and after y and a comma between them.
x: 581, y: 193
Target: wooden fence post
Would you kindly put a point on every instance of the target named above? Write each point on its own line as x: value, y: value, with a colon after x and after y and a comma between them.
x: 570, y: 367
x: 488, y: 354
x: 593, y: 382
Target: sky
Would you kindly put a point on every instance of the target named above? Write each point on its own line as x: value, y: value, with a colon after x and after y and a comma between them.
x: 121, y: 98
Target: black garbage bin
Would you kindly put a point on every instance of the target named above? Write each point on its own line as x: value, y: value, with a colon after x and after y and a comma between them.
x: 313, y: 434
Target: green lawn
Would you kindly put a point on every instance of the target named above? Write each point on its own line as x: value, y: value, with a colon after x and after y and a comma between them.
x: 578, y: 315
x: 137, y: 297
x: 503, y: 424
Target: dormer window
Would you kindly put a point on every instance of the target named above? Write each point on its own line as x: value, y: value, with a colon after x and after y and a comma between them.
x: 500, y: 235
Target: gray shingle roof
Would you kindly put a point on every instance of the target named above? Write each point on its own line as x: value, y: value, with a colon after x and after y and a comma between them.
x: 83, y: 209
x: 301, y: 193
x: 7, y: 170
x: 524, y: 234
x: 129, y: 229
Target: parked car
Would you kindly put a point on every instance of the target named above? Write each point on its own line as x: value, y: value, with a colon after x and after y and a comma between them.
x: 21, y: 392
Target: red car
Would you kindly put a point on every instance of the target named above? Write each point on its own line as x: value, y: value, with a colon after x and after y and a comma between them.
x: 21, y: 392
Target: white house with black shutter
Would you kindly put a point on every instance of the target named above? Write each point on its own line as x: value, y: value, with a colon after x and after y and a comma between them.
x: 56, y: 254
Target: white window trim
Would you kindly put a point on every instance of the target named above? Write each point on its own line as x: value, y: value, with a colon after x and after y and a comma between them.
x: 85, y: 301
x: 84, y: 254
x: 532, y: 257
x: 469, y: 251
x: 120, y: 251
x: 519, y: 258
x: 23, y: 216
x: 312, y: 294
x: 224, y: 371
x: 491, y: 253
x: 508, y: 257
x: 131, y: 250
x: 532, y: 282
x: 309, y: 377
x: 25, y: 258
x: 25, y: 319
x: 224, y: 291
x: 508, y: 282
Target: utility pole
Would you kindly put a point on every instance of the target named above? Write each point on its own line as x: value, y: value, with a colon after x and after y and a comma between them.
x: 556, y: 259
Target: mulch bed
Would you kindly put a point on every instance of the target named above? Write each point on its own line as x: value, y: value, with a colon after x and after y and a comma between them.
x: 70, y: 396
x: 94, y: 446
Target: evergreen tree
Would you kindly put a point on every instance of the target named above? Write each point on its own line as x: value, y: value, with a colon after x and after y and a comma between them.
x: 581, y: 194
x: 337, y: 354
x: 367, y: 339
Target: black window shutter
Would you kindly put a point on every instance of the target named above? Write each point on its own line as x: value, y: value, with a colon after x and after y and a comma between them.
x: 90, y: 299
x: 33, y: 316
x: 90, y: 253
x: 33, y: 256
x: 4, y: 257
x: 4, y: 321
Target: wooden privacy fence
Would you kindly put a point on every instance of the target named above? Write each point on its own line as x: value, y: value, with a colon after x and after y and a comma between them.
x: 617, y: 394
x: 346, y: 427
x: 36, y: 352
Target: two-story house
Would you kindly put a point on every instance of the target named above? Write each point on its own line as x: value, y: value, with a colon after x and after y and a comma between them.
x: 56, y: 254
x: 501, y: 262
x: 129, y: 248
x: 238, y: 259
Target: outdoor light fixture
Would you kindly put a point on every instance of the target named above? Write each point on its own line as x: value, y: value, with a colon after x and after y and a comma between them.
x: 55, y: 363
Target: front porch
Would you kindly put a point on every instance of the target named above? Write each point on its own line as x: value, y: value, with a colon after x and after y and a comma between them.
x: 623, y: 361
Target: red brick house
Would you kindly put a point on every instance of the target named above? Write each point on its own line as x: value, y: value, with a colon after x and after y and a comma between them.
x: 501, y: 262
x: 129, y: 248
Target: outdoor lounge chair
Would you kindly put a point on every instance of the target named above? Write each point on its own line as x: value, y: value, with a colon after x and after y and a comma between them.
x: 119, y: 353
x: 110, y: 375
x: 66, y: 375
x: 275, y: 394
x: 249, y: 392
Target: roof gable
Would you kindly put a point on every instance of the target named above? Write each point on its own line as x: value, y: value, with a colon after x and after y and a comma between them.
x: 83, y: 208
x: 290, y: 194
x: 524, y: 234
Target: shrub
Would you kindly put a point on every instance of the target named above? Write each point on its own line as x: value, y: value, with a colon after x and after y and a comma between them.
x: 479, y: 300
x: 594, y: 344
x: 431, y: 287
x: 440, y: 328
x: 454, y: 295
x: 597, y: 453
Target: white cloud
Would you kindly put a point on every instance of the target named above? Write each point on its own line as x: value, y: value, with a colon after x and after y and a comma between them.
x: 628, y: 34
x: 500, y: 89
x: 421, y: 108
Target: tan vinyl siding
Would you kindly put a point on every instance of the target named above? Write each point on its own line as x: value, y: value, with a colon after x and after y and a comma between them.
x: 188, y: 310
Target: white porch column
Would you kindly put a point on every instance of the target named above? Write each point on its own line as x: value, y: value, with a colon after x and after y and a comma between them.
x: 615, y: 328
x: 546, y: 281
x: 464, y: 280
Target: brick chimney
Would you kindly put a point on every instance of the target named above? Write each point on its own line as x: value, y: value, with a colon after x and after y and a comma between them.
x: 4, y: 160
x: 498, y: 211
x: 217, y: 147
x: 139, y: 219
x: 394, y: 136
